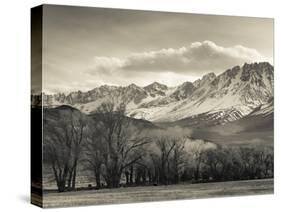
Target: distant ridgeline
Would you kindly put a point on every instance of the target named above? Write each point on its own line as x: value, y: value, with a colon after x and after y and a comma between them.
x: 229, y: 96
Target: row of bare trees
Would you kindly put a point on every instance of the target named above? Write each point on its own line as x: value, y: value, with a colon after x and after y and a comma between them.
x: 110, y: 144
x: 116, y: 151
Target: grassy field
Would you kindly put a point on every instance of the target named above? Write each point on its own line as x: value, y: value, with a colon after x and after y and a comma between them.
x: 157, y: 193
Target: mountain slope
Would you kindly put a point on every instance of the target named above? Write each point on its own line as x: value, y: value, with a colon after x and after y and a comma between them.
x: 63, y: 116
x: 253, y: 129
x: 238, y: 90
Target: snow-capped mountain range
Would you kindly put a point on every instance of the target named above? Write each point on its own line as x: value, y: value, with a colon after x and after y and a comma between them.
x: 235, y: 93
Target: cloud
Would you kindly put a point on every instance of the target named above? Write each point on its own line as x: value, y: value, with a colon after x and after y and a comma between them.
x: 195, y: 59
x: 169, y: 66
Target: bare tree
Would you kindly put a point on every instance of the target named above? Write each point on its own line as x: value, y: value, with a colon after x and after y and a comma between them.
x: 248, y: 162
x: 122, y: 141
x: 269, y: 163
x: 178, y: 159
x: 78, y: 127
x: 63, y: 138
x: 94, y: 150
x: 165, y: 146
x: 197, y: 152
x: 57, y: 153
x: 263, y: 159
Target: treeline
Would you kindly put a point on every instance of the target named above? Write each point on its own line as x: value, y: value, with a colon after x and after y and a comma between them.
x: 117, y: 152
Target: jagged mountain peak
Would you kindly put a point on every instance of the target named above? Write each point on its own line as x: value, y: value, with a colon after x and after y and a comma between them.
x: 156, y: 85
x: 256, y: 70
x: 260, y: 65
x: 108, y: 86
x: 156, y: 89
x: 133, y: 85
x: 231, y: 73
x: 183, y: 91
x: 207, y: 78
x: 225, y: 79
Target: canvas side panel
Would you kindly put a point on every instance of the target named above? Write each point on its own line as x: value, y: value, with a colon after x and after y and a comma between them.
x: 36, y: 105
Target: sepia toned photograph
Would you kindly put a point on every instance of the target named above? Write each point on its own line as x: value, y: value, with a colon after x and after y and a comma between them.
x: 135, y: 106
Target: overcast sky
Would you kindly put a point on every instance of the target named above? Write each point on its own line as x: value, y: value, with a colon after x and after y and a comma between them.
x: 87, y: 47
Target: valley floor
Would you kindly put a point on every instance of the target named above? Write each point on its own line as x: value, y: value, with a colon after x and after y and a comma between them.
x: 157, y: 193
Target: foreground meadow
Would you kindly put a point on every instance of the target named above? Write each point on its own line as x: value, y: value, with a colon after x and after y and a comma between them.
x: 157, y: 193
